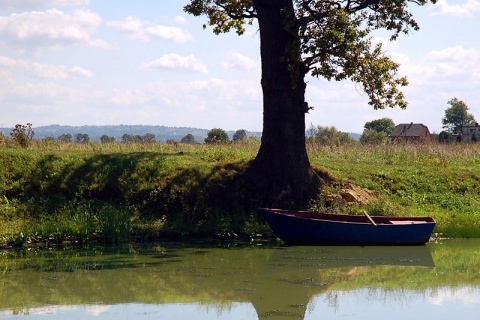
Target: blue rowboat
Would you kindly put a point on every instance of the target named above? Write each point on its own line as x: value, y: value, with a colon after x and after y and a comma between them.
x: 315, y: 228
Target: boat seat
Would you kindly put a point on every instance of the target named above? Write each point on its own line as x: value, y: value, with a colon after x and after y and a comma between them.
x: 407, y: 222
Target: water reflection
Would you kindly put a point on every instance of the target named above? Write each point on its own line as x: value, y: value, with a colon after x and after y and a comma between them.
x: 378, y: 303
x: 238, y: 282
x: 136, y: 311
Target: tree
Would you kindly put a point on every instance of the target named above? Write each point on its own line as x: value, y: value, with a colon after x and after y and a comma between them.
x: 127, y: 138
x: 377, y: 131
x: 445, y: 136
x: 329, y: 39
x: 217, y: 136
x: 189, y: 138
x: 106, y: 139
x: 148, y: 138
x: 239, y: 135
x: 385, y: 125
x: 82, y: 138
x: 65, y: 137
x: 456, y: 116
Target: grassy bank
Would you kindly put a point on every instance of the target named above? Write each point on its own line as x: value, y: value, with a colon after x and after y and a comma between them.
x: 116, y: 192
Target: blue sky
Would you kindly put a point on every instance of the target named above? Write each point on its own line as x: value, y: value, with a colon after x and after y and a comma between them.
x: 107, y: 62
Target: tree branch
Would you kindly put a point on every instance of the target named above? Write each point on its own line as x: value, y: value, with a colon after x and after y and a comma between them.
x: 239, y: 13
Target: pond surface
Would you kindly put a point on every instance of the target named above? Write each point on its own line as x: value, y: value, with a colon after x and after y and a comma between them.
x: 242, y: 281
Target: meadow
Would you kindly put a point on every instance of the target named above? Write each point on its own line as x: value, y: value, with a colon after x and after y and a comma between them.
x: 54, y: 192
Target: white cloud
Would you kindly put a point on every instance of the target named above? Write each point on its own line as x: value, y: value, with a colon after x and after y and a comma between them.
x: 80, y: 72
x: 147, y: 31
x: 234, y: 60
x: 454, y: 67
x: 458, y: 10
x: 180, y: 20
x: 31, y: 31
x: 43, y: 71
x: 177, y: 62
x: 212, y: 94
x: 40, y: 94
x: 27, y: 5
x: 205, y: 104
x: 456, y: 54
x: 128, y: 97
x: 456, y: 61
x: 387, y: 45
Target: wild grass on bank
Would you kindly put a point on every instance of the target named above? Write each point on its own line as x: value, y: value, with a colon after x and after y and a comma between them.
x: 167, y: 190
x: 439, y: 180
x: 116, y: 192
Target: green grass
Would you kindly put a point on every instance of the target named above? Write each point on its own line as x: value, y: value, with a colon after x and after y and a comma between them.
x: 118, y: 192
x: 439, y: 180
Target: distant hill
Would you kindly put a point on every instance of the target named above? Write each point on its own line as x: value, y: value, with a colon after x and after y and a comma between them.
x: 162, y: 133
x: 355, y: 136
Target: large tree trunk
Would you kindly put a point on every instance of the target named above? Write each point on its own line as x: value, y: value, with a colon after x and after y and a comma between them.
x: 281, y: 171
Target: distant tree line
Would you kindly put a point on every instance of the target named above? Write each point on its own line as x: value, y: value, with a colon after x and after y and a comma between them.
x: 375, y: 132
x: 214, y: 136
x: 220, y: 136
x: 146, y: 138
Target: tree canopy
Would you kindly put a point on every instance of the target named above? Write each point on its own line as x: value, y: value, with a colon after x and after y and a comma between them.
x: 239, y: 135
x: 65, y: 137
x: 456, y: 116
x: 107, y: 139
x: 332, y: 39
x: 217, y: 136
x: 189, y: 138
x: 385, y: 125
x: 82, y: 138
x: 377, y: 131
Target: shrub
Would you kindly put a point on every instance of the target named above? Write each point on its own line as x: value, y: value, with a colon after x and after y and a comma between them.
x: 23, y: 134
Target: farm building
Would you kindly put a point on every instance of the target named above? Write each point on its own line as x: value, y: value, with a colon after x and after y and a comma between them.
x: 411, y: 132
x: 470, y: 132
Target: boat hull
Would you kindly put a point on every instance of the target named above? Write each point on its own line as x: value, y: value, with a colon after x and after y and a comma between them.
x: 310, y: 228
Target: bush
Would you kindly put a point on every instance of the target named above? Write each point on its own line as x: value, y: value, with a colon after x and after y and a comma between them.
x: 329, y: 136
x: 23, y: 134
x: 372, y: 136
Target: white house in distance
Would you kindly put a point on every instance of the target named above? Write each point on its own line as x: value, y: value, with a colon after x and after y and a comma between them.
x: 470, y: 132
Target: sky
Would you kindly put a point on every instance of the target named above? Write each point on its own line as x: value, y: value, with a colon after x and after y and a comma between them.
x: 112, y: 62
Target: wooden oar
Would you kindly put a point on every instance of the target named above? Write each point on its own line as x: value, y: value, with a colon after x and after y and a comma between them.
x: 369, y: 218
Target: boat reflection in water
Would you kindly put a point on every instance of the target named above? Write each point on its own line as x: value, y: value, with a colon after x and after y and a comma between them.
x: 201, y: 282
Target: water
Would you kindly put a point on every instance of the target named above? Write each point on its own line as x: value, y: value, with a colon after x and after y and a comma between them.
x: 242, y: 281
